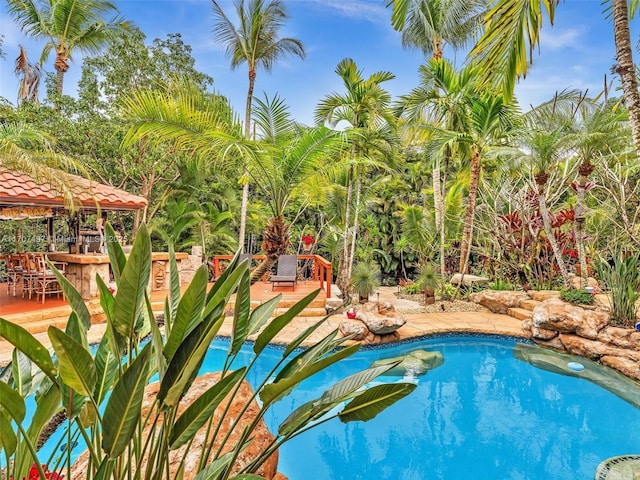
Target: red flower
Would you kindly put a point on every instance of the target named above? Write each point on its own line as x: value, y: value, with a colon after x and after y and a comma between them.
x: 307, y: 239
x: 34, y: 474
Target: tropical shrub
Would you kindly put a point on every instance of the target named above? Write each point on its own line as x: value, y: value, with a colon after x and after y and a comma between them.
x: 501, y: 284
x: 365, y: 279
x: 101, y: 393
x: 622, y: 279
x: 577, y: 297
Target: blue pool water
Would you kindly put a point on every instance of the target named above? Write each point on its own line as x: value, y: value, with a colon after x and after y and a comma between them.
x: 481, y: 415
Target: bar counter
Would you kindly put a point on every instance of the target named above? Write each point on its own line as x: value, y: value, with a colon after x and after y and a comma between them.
x: 81, y: 270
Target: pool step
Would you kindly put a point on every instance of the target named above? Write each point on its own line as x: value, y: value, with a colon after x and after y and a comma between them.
x: 520, y: 313
x: 529, y: 304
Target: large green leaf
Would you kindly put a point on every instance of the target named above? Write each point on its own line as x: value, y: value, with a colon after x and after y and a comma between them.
x: 374, y: 400
x: 262, y: 313
x: 222, y: 279
x: 117, y: 258
x: 215, y: 468
x: 310, y: 355
x: 133, y: 283
x: 76, y: 331
x: 188, y: 358
x: 124, y: 408
x: 274, y: 391
x: 189, y: 312
x: 303, y: 336
x: 241, y: 313
x: 27, y: 344
x: 156, y: 339
x: 8, y: 439
x: 106, y: 369
x: 73, y: 297
x: 333, y: 396
x: 105, y: 469
x: 106, y: 298
x: 174, y: 281
x: 12, y: 403
x: 47, y: 405
x: 282, y: 321
x: 224, y: 287
x: 77, y: 368
x: 21, y: 372
x: 200, y: 411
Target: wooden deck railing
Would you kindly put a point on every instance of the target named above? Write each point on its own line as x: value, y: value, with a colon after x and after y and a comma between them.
x: 321, y: 268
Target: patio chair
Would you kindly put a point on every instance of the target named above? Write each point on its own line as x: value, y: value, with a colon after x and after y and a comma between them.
x: 45, y: 280
x: 287, y: 271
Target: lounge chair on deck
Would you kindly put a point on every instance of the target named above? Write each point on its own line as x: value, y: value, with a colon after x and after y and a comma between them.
x: 287, y: 271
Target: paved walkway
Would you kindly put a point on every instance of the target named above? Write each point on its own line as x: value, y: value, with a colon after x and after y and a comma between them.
x: 418, y: 324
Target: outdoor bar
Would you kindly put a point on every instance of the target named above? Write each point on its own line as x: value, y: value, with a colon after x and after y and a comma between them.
x: 23, y: 197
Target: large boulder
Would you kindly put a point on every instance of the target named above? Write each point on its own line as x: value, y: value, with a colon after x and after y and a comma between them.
x: 354, y: 327
x: 380, y: 318
x: 260, y: 440
x: 555, y: 314
x: 620, y: 337
x: 498, y: 301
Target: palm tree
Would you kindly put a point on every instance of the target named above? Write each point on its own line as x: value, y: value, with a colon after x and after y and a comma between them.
x: 67, y: 25
x: 30, y: 81
x: 256, y: 42
x: 430, y: 24
x: 287, y: 160
x: 513, y: 28
x: 365, y: 110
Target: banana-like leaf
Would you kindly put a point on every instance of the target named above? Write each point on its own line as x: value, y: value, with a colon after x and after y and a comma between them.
x: 200, y: 411
x: 73, y: 401
x: 174, y: 282
x: 222, y: 279
x: 187, y: 360
x: 8, y: 439
x: 76, y: 331
x: 106, y: 369
x: 274, y: 391
x: 262, y: 313
x: 189, y: 313
x: 336, y: 394
x: 310, y: 355
x: 224, y: 288
x: 215, y: 468
x: 73, y: 296
x: 105, y: 469
x: 106, y: 298
x: 117, y: 258
x: 47, y: 405
x: 77, y: 368
x: 87, y: 415
x: 21, y: 372
x: 282, y: 321
x: 12, y: 403
x: 374, y: 400
x: 133, y: 284
x: 303, y: 336
x: 241, y: 313
x: 27, y: 344
x: 124, y: 407
x: 156, y: 339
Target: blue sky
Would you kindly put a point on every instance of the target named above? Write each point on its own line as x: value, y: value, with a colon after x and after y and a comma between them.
x: 576, y: 53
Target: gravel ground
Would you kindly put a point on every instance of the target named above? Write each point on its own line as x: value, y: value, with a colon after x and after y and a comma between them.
x: 440, y: 305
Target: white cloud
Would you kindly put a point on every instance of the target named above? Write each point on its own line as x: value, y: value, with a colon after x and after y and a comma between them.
x: 558, y: 38
x: 363, y: 10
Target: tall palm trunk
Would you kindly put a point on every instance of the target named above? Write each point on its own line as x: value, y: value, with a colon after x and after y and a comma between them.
x: 467, y: 232
x: 586, y: 168
x: 626, y: 69
x: 354, y: 233
x: 548, y: 229
x: 275, y: 242
x: 61, y: 65
x: 343, y: 265
x: 247, y: 133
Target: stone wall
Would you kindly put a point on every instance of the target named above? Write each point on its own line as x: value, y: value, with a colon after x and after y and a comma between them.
x: 580, y: 330
x: 189, y: 265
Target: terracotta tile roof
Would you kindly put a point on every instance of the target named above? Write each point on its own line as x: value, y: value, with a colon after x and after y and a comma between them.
x: 21, y: 189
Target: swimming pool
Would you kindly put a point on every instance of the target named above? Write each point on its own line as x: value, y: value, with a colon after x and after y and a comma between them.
x: 481, y: 415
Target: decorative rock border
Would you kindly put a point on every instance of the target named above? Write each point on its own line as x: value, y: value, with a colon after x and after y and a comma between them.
x: 580, y: 330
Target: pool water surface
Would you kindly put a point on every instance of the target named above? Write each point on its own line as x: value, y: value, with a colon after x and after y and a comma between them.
x: 483, y: 414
